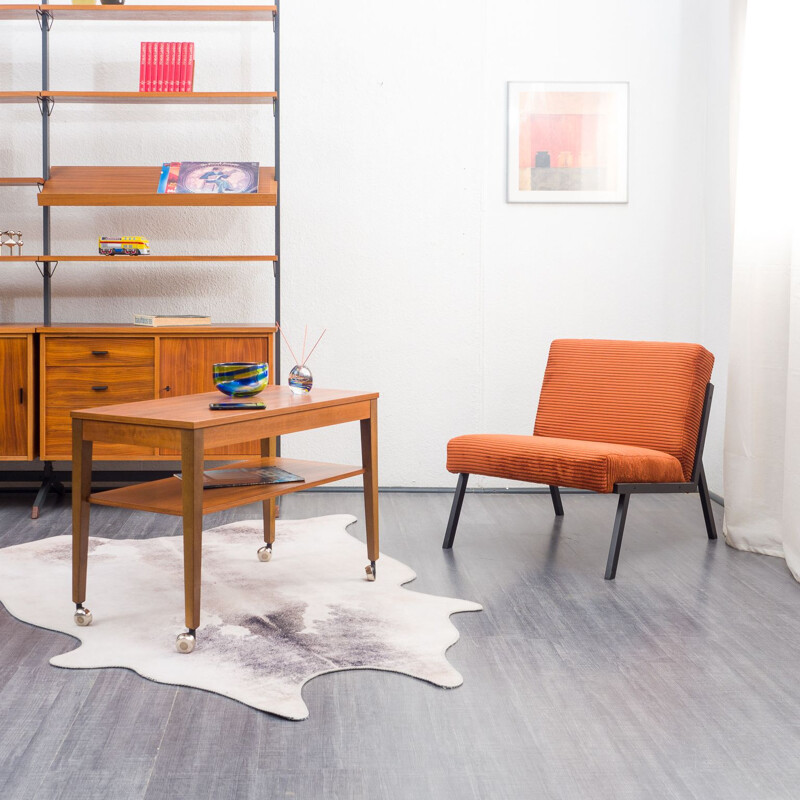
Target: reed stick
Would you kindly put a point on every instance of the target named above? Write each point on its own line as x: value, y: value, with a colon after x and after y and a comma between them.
x: 314, y: 347
x: 288, y: 345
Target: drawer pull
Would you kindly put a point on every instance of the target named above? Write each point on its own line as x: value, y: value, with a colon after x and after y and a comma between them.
x: 99, y: 388
x: 167, y: 389
x: 99, y: 352
x: 22, y: 396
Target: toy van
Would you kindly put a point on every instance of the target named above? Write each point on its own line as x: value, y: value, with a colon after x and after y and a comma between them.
x: 123, y: 246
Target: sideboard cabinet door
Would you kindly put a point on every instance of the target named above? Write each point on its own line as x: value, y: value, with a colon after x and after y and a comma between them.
x: 186, y: 368
x: 15, y: 398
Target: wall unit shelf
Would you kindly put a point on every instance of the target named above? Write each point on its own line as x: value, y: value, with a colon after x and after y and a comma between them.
x: 161, y: 13
x: 86, y: 364
x: 184, y: 98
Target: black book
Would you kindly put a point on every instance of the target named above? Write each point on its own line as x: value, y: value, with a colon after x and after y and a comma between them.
x: 246, y: 476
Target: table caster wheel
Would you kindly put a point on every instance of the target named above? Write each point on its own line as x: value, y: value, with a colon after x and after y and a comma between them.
x: 185, y: 642
x: 265, y: 553
x: 371, y: 571
x: 83, y: 616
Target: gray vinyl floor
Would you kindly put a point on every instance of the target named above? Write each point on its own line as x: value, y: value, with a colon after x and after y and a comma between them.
x: 679, y: 680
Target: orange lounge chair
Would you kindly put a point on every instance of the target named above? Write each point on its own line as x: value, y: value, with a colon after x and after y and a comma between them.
x: 614, y: 417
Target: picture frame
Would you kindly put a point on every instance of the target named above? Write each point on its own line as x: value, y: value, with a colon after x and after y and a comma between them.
x: 567, y: 142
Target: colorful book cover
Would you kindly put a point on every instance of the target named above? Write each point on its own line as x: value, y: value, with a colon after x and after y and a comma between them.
x: 142, y: 65
x: 182, y: 68
x: 172, y: 177
x: 218, y: 177
x: 162, y: 181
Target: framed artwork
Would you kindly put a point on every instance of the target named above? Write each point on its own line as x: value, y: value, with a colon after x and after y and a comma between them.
x: 567, y: 142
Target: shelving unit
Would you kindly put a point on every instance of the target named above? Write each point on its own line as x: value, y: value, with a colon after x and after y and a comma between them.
x: 104, y: 186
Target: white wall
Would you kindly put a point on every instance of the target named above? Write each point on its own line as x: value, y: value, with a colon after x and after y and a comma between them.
x: 396, y: 233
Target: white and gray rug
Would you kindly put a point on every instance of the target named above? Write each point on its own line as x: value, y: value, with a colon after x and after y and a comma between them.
x: 266, y: 628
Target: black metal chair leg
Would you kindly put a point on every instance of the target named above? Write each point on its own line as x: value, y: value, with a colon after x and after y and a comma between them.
x: 556, y: 495
x: 455, y: 511
x: 616, y: 538
x: 49, y: 483
x: 705, y: 501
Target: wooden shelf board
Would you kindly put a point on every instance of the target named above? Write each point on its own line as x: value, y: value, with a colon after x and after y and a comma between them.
x: 18, y: 97
x: 112, y: 259
x: 164, y: 496
x: 17, y: 259
x: 200, y: 13
x: 187, y: 98
x: 21, y: 181
x: 129, y: 329
x: 136, y: 186
x: 25, y: 11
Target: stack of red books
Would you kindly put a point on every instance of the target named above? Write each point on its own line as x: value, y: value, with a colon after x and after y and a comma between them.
x: 166, y: 67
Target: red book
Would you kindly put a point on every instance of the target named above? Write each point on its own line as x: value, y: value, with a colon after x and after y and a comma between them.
x: 142, y: 65
x: 190, y: 68
x: 172, y: 73
x: 183, y: 47
x: 148, y: 67
x: 159, y: 82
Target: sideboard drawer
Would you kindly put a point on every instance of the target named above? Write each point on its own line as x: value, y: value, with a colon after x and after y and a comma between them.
x: 85, y: 351
x: 83, y: 387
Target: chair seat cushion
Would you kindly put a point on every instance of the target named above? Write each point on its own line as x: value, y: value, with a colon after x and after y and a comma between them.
x: 574, y: 463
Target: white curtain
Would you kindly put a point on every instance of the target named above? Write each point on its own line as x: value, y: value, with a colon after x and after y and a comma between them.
x: 762, y: 435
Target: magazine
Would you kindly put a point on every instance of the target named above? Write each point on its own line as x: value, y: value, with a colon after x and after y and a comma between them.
x: 246, y: 476
x: 209, y: 177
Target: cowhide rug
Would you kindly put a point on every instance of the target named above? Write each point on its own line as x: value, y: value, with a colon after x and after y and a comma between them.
x: 266, y: 627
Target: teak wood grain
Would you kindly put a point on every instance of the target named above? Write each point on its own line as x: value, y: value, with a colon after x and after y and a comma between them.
x: 138, y: 186
x: 114, y: 259
x: 115, y: 352
x: 188, y: 13
x: 164, y: 496
x: 184, y: 98
x: 98, y: 385
x: 21, y: 181
x: 18, y: 97
x: 57, y: 438
x: 16, y: 401
x: 193, y: 411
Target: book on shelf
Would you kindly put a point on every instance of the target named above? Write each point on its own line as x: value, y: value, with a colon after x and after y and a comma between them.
x: 166, y: 67
x: 246, y: 476
x: 208, y: 177
x: 159, y: 320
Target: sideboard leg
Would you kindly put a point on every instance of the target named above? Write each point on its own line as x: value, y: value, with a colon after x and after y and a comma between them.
x: 48, y: 483
x: 369, y: 460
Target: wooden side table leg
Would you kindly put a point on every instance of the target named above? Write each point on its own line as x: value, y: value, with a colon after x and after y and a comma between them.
x: 81, y: 488
x: 192, y: 487
x: 369, y: 460
x: 269, y: 450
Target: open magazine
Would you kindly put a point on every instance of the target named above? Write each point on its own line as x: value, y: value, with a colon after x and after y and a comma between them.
x: 246, y: 476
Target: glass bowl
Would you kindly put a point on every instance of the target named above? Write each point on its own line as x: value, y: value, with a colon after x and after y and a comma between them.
x: 241, y: 378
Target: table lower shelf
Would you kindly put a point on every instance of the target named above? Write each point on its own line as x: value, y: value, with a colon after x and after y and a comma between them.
x: 164, y: 496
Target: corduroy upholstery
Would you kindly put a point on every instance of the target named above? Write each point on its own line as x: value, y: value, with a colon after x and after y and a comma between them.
x: 560, y: 462
x: 644, y: 394
x: 609, y: 412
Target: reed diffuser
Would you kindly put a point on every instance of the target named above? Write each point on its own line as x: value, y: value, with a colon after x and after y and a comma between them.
x: 300, y: 378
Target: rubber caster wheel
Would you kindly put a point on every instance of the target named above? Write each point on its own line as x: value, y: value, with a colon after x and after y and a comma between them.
x: 371, y: 571
x: 185, y: 642
x: 265, y: 553
x: 83, y: 617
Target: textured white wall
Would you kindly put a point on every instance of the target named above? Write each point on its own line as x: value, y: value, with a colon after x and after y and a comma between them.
x: 396, y: 233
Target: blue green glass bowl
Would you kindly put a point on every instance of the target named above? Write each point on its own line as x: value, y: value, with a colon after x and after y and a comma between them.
x: 241, y: 378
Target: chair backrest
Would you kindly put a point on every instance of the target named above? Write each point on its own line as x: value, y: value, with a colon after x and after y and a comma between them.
x: 645, y: 394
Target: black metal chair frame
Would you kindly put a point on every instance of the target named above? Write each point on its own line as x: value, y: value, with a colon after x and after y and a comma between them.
x: 624, y: 490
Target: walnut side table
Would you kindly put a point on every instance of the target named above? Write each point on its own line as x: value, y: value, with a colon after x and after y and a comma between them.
x: 188, y: 425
